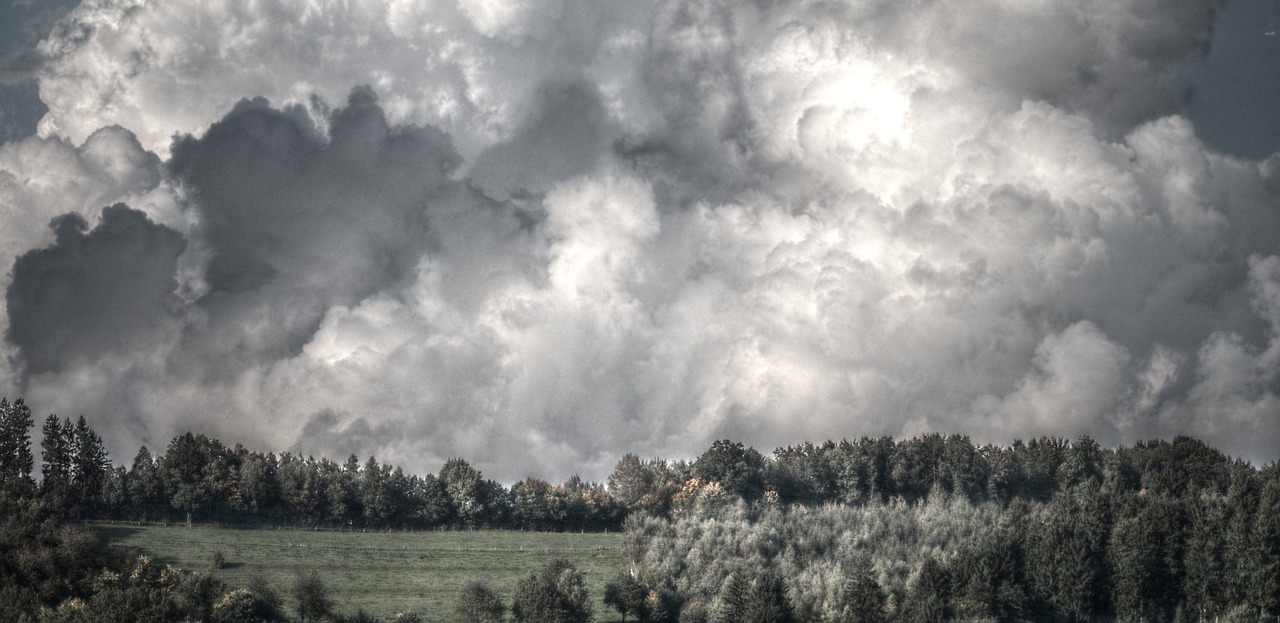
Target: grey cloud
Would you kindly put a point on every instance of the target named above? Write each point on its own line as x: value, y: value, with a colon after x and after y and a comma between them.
x: 295, y: 221
x: 110, y: 290
x: 564, y: 136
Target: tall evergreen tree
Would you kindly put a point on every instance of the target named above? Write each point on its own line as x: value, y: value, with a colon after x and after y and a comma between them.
x: 1066, y: 552
x: 1238, y: 552
x: 1203, y: 585
x: 16, y: 460
x: 145, y: 489
x: 928, y: 596
x: 89, y: 468
x: 56, y: 468
x: 1265, y: 587
x: 860, y: 600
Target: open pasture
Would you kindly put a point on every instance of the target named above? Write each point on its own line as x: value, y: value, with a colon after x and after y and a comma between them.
x: 381, y: 572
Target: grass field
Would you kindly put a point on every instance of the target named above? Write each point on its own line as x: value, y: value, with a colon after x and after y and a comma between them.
x: 381, y: 572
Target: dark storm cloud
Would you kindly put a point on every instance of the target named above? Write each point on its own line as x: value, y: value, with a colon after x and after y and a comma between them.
x: 297, y: 219
x: 110, y: 290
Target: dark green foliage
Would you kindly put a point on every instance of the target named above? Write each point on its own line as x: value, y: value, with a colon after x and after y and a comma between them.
x: 759, y: 599
x: 89, y: 467
x: 1265, y: 585
x: 928, y: 595
x: 739, y: 469
x: 15, y: 449
x: 311, y: 597
x: 1203, y: 584
x: 71, y: 576
x: 194, y: 469
x: 626, y: 595
x: 915, y: 466
x: 860, y: 600
x: 1066, y: 552
x: 145, y: 490
x: 477, y: 603
x: 557, y: 594
x: 1243, y: 496
x: 988, y: 579
x: 55, y: 458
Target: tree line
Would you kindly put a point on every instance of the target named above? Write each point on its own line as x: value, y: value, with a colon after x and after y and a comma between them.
x: 198, y: 478
x: 1164, y: 531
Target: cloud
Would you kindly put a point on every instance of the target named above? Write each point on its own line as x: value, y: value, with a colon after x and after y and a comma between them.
x: 297, y: 219
x: 110, y: 290
x: 563, y: 230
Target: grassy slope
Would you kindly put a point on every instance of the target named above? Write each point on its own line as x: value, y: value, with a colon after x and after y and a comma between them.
x: 381, y: 572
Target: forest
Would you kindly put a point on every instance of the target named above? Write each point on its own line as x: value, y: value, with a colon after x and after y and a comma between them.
x: 931, y: 528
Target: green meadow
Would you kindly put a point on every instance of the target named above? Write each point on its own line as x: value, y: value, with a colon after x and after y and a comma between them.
x: 380, y: 572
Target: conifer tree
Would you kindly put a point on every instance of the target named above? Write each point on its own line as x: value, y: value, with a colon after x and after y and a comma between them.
x: 89, y: 467
x: 860, y: 600
x: 1265, y: 587
x: 928, y: 595
x: 145, y: 489
x: 16, y: 460
x: 1238, y: 553
x: 55, y: 455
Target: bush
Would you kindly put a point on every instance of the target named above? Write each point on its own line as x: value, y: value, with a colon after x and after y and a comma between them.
x: 557, y: 594
x: 312, y: 597
x: 478, y: 604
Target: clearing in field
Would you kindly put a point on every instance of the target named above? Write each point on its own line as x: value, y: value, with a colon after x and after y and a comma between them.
x: 381, y: 572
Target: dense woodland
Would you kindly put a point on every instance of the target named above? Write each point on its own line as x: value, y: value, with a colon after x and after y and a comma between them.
x: 925, y: 529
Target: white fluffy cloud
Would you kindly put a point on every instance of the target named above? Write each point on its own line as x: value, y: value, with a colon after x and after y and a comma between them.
x: 643, y: 226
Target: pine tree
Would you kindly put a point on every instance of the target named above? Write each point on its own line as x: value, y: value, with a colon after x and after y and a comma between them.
x: 1203, y: 584
x: 1238, y: 553
x: 56, y: 470
x: 928, y: 594
x: 89, y: 465
x: 1265, y: 587
x: 16, y: 459
x: 734, y: 595
x: 770, y: 603
x: 145, y: 489
x: 860, y: 600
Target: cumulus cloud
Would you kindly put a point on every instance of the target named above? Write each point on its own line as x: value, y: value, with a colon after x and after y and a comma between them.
x: 551, y: 232
x: 295, y: 222
x: 91, y: 293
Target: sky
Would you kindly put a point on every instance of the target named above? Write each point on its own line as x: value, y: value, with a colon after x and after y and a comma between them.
x: 540, y: 234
